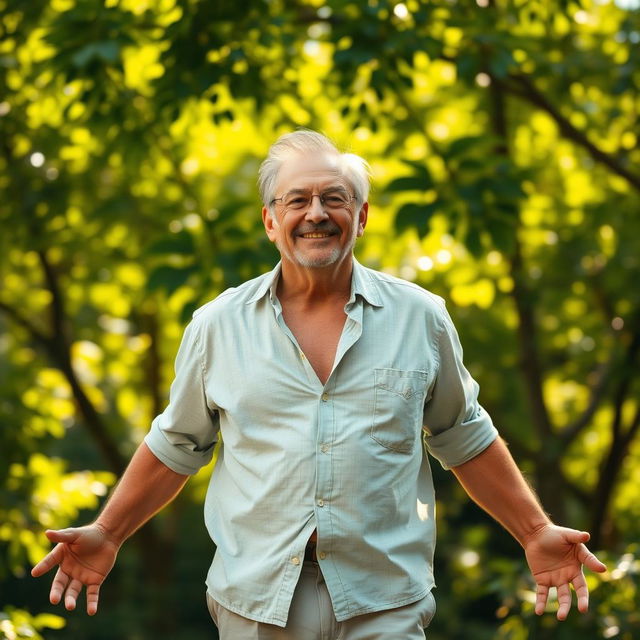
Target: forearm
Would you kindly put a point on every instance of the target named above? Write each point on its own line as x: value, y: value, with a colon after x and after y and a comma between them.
x: 146, y: 486
x: 493, y: 480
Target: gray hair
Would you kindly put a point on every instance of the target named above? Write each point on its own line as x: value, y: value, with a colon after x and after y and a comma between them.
x: 354, y: 168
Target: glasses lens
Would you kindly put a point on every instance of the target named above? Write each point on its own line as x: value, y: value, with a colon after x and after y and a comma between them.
x: 296, y: 200
x: 330, y: 200
x: 335, y: 200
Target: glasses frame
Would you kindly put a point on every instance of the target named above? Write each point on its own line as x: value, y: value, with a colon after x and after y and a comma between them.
x: 320, y: 197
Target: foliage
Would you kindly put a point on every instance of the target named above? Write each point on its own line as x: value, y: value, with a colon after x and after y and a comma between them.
x: 503, y: 140
x: 16, y: 624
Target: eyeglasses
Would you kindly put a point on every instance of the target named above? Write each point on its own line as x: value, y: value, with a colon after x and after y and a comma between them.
x: 330, y: 200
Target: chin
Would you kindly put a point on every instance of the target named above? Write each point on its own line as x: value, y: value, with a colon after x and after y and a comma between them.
x: 318, y: 262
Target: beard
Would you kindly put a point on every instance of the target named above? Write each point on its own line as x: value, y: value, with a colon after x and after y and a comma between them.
x: 318, y: 258
x: 317, y: 261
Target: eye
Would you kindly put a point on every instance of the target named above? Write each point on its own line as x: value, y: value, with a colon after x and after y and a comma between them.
x: 334, y: 200
x: 297, y: 201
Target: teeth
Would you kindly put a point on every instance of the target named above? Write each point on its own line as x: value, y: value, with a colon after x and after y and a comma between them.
x: 315, y: 235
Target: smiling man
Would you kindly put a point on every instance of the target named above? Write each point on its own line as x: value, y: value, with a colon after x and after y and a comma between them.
x: 329, y: 383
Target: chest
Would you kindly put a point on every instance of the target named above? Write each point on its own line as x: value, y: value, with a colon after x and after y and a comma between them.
x: 318, y: 334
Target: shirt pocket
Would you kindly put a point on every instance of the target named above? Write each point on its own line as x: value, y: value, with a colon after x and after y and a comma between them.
x: 398, y: 405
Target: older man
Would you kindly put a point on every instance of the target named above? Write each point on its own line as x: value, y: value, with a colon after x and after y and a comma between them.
x: 324, y: 378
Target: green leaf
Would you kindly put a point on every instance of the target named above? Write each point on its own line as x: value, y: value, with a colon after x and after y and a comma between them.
x: 107, y: 51
x: 501, y: 62
x: 181, y: 243
x: 187, y: 311
x: 420, y: 168
x: 410, y: 183
x: 473, y: 241
x: 462, y: 145
x: 508, y: 189
x: 502, y: 235
x: 415, y: 216
x: 49, y: 621
x: 169, y: 278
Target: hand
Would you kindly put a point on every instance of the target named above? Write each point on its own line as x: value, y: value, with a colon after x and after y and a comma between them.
x: 85, y: 556
x: 555, y: 556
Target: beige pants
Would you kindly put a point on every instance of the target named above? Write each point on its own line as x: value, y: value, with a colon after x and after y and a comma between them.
x: 311, y: 618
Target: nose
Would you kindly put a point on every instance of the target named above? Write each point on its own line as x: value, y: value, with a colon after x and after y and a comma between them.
x: 315, y: 212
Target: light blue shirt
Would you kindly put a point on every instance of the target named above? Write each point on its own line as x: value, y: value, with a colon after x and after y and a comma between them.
x: 345, y: 458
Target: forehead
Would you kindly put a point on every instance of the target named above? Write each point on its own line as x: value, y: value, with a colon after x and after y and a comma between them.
x: 302, y: 171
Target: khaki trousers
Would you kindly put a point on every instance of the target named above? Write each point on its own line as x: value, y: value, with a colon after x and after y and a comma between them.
x: 311, y: 617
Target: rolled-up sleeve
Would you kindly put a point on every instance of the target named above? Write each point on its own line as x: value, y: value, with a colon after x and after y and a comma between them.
x: 457, y: 428
x: 184, y: 434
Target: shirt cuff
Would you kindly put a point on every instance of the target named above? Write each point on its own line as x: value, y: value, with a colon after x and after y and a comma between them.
x: 464, y: 441
x: 177, y: 458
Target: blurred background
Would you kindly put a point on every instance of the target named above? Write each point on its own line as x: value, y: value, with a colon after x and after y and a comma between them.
x: 503, y: 141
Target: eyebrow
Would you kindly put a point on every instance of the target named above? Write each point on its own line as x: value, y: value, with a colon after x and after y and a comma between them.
x: 330, y: 188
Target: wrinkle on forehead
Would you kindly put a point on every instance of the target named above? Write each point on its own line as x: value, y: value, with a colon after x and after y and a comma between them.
x: 303, y: 170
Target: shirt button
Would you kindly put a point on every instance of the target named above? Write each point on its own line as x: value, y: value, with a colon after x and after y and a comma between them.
x: 302, y: 356
x: 322, y: 555
x: 325, y: 397
x: 295, y: 560
x: 321, y: 502
x: 324, y: 448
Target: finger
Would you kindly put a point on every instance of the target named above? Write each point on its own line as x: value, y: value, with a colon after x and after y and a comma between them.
x: 53, y: 558
x: 542, y: 593
x: 93, y: 593
x: 71, y: 597
x: 589, y: 560
x: 582, y: 592
x: 58, y: 585
x: 564, y: 601
x: 62, y: 535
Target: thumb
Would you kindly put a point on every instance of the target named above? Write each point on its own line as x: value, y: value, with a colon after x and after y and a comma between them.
x: 576, y: 537
x: 62, y: 535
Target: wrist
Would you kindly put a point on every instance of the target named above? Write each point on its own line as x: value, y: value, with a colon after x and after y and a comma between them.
x: 110, y: 535
x: 533, y: 532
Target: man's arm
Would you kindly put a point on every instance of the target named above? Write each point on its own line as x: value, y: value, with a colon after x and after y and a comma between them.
x: 555, y: 554
x: 85, y: 555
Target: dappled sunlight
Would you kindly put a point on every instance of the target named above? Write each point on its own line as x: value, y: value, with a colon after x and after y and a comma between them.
x: 503, y: 143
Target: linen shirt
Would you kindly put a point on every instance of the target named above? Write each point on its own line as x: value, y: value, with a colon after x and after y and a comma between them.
x: 345, y: 458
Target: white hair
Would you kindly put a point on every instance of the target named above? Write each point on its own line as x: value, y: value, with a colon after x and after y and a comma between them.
x: 354, y: 168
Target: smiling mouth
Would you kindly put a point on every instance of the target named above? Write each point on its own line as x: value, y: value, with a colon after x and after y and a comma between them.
x: 315, y: 235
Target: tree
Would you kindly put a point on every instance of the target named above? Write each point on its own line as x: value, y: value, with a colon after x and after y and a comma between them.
x: 503, y: 141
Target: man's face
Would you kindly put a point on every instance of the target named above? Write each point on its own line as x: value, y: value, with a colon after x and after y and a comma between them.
x: 315, y: 236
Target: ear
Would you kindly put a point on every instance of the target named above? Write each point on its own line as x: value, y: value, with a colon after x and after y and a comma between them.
x: 363, y: 215
x: 270, y: 224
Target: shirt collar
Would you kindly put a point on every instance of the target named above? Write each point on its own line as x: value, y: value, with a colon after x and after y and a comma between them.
x: 362, y: 284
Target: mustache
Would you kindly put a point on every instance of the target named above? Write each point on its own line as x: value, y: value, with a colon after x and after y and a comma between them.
x: 323, y: 227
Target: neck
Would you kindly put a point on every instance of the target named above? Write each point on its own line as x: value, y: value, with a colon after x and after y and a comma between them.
x: 315, y: 285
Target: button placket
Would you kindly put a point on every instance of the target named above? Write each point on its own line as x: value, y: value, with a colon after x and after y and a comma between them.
x: 325, y: 435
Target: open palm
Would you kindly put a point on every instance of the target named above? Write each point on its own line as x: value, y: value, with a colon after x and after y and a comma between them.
x: 556, y: 556
x: 84, y: 556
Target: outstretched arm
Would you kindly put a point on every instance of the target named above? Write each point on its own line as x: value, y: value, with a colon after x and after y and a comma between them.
x: 85, y: 555
x: 555, y: 554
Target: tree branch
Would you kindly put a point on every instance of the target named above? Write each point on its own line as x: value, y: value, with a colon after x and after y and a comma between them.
x: 619, y: 448
x: 58, y: 347
x: 527, y: 337
x: 57, y: 304
x: 37, y: 335
x: 633, y: 429
x: 522, y: 87
x: 598, y: 392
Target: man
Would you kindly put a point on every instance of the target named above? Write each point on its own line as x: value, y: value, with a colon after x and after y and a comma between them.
x: 323, y: 378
